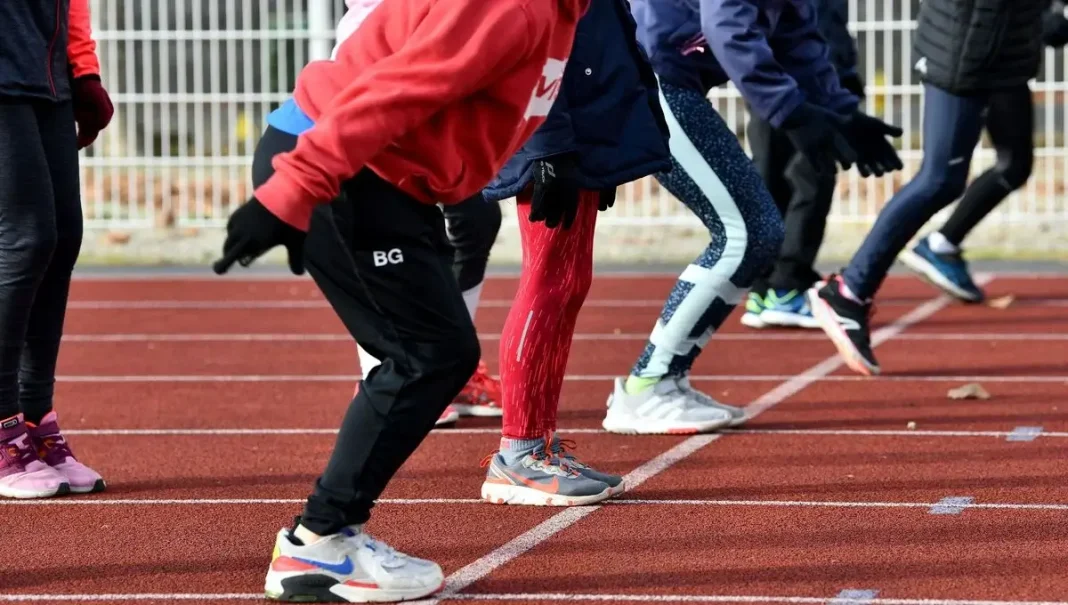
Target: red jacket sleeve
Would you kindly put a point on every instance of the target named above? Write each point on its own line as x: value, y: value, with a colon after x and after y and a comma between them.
x: 456, y: 49
x: 81, y: 49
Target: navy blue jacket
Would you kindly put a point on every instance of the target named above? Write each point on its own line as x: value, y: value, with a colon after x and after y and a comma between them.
x: 608, y: 110
x: 33, y: 49
x: 833, y: 16
x: 770, y: 49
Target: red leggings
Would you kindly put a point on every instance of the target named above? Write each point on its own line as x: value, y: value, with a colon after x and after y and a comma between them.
x: 536, y: 341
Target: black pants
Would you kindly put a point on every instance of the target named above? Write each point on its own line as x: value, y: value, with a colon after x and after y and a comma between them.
x: 40, y: 238
x: 383, y: 261
x: 952, y: 125
x: 804, y: 199
x: 472, y: 226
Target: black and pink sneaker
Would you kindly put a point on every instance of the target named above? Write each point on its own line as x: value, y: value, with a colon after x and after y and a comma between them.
x: 54, y: 451
x: 847, y: 322
x: 23, y: 474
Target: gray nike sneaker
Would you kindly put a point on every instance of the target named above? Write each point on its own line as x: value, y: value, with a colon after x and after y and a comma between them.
x: 540, y: 479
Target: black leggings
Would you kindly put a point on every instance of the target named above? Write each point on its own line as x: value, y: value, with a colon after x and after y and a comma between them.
x: 40, y: 238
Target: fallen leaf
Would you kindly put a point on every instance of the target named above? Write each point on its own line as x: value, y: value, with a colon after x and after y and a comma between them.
x: 911, y: 425
x: 972, y: 390
x: 1001, y: 302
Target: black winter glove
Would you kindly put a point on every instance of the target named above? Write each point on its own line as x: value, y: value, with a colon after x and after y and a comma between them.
x: 1055, y: 25
x: 868, y: 136
x: 556, y: 196
x: 253, y: 230
x: 817, y: 134
x: 607, y: 198
x: 853, y: 84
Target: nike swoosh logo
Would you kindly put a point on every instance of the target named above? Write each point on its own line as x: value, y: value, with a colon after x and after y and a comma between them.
x: 343, y: 568
x: 551, y: 488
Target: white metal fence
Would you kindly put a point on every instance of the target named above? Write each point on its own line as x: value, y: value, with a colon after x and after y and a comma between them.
x: 193, y: 80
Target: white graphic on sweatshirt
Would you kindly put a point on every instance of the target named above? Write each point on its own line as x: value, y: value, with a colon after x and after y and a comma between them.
x: 547, y: 88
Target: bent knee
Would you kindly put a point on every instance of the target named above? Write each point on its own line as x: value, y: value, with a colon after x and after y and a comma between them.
x: 1015, y: 172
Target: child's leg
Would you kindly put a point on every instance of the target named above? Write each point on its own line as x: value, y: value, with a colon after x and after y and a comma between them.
x: 44, y: 330
x: 716, y: 180
x: 535, y: 343
x: 409, y: 313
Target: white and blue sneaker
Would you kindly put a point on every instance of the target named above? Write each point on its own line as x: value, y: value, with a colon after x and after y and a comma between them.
x: 787, y: 309
x: 946, y: 271
x: 347, y: 567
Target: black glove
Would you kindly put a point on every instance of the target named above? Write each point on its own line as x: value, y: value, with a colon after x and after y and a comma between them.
x: 853, y: 84
x: 1055, y: 25
x: 253, y: 230
x: 556, y: 196
x: 868, y: 136
x: 607, y: 198
x: 817, y: 134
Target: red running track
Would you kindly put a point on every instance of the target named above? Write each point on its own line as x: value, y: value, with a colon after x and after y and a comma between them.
x: 210, y: 407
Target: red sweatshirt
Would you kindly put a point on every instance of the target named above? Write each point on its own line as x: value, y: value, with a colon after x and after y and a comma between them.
x: 434, y: 96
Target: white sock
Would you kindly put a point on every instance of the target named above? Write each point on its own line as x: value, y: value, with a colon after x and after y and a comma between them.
x: 940, y: 245
x: 305, y: 535
x: 471, y: 298
x: 367, y: 361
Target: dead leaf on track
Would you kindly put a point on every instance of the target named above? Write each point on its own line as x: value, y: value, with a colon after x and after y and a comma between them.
x: 972, y: 390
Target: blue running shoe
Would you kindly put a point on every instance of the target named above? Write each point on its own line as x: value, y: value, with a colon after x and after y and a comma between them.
x: 947, y: 272
x: 754, y: 307
x: 787, y: 309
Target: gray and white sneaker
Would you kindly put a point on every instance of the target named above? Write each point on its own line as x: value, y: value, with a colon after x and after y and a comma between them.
x: 347, y: 567
x: 666, y: 408
x: 540, y: 479
x: 738, y: 416
x: 562, y: 448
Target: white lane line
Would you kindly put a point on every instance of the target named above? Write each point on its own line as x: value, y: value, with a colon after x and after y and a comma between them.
x: 587, y: 337
x: 808, y: 375
x: 554, y: 597
x: 498, y: 303
x: 1013, y: 435
x: 955, y: 503
x: 485, y: 565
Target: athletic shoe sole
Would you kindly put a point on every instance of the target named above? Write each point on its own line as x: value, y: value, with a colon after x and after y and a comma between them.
x: 828, y: 321
x: 785, y: 319
x: 930, y: 274
x: 22, y: 494
x: 507, y: 493
x: 753, y: 320
x: 321, y: 588
x: 645, y: 426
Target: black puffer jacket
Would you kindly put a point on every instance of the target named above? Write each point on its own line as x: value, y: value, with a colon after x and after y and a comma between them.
x: 967, y: 46
x: 33, y: 49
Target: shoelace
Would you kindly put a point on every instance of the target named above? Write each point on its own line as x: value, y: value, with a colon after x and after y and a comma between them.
x: 482, y: 386
x: 562, y: 449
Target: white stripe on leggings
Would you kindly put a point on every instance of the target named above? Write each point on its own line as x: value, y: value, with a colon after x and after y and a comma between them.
x: 674, y: 338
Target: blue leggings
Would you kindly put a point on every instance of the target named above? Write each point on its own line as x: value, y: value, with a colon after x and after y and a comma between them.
x: 718, y: 182
x: 951, y: 128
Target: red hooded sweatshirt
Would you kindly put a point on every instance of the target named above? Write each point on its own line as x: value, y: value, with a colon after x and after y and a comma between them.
x: 434, y: 96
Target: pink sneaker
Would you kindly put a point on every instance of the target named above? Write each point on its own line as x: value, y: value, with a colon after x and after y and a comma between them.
x: 54, y: 451
x: 22, y: 473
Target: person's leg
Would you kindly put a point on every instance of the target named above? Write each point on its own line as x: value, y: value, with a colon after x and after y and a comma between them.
x: 951, y: 128
x: 44, y: 328
x: 715, y: 179
x: 806, y: 220
x: 27, y: 242
x: 938, y: 257
x: 472, y: 226
x: 535, y: 343
x: 383, y: 262
x: 772, y: 152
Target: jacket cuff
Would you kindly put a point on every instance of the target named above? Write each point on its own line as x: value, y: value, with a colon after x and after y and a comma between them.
x: 286, y: 200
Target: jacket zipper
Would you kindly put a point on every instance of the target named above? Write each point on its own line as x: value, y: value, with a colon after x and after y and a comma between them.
x: 52, y: 49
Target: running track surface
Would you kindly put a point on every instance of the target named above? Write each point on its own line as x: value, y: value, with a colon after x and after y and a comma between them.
x: 210, y: 405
